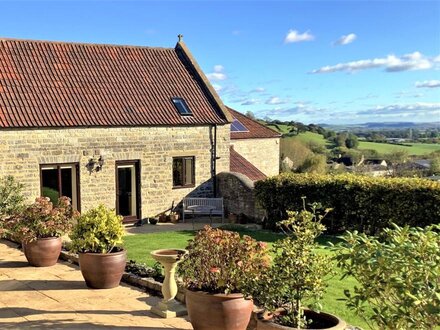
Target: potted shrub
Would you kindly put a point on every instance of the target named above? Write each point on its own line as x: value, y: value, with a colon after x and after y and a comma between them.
x: 213, y: 273
x: 290, y: 290
x: 174, y: 217
x: 97, y: 238
x: 40, y: 226
x: 404, y: 266
x: 11, y: 202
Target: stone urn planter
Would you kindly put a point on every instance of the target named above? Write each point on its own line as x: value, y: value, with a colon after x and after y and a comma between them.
x: 42, y: 252
x: 322, y: 321
x: 169, y: 258
x: 102, y: 270
x: 218, y: 311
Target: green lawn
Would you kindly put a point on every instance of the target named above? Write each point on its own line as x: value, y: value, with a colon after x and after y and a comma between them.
x: 139, y: 247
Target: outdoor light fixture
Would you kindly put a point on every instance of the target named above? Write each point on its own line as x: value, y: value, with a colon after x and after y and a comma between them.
x: 95, y: 165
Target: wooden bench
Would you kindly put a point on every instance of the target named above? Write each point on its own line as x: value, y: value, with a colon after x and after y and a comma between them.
x: 203, y: 206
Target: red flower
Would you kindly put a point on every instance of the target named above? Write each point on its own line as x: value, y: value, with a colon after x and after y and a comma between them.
x: 214, y: 270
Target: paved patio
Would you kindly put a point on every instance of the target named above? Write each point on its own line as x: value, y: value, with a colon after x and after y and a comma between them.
x: 57, y: 298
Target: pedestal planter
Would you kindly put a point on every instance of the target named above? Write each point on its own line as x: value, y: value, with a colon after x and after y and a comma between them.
x: 43, y: 252
x: 102, y: 270
x: 321, y: 321
x: 169, y: 307
x: 218, y: 311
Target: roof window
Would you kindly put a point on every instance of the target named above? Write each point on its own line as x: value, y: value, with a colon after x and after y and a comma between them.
x: 181, y: 106
x: 237, y: 126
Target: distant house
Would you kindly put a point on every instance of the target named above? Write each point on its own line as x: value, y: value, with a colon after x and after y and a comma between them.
x: 134, y: 128
x: 255, y: 150
x: 375, y: 162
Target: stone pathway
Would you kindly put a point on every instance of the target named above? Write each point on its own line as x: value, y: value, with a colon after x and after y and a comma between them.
x: 57, y: 298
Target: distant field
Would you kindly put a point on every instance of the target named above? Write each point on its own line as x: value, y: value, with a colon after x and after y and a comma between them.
x: 382, y: 148
x: 412, y: 148
x: 283, y: 129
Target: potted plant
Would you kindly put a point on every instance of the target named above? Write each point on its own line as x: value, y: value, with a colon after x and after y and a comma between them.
x: 290, y: 290
x: 162, y: 217
x: 11, y: 203
x: 174, y: 217
x: 213, y: 272
x: 153, y: 221
x: 97, y: 238
x: 40, y: 226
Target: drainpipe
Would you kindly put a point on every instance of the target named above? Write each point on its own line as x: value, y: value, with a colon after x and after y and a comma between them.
x: 214, y: 159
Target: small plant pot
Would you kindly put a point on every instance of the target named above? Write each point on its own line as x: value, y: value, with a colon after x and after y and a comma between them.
x: 43, y: 252
x: 102, y: 270
x: 162, y: 218
x: 174, y: 218
x: 153, y: 221
x: 322, y: 321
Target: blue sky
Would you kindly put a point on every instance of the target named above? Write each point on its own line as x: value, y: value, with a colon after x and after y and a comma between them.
x: 310, y: 61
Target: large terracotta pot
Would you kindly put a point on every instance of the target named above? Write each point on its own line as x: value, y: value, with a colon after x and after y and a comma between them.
x: 218, y: 311
x: 43, y: 252
x: 321, y: 321
x: 102, y: 270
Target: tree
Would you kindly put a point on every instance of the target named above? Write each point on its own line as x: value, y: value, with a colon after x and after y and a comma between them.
x: 395, y: 158
x: 351, y: 141
x: 250, y: 114
x: 314, y: 164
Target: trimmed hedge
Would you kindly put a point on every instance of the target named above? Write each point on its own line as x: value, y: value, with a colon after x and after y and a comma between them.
x: 359, y: 202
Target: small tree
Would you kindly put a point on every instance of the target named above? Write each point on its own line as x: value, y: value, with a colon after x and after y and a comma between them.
x: 314, y: 163
x: 398, y: 275
x: 295, y: 279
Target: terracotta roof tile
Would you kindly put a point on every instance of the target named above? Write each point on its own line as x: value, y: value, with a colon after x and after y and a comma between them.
x: 239, y: 164
x: 56, y: 84
x: 256, y: 130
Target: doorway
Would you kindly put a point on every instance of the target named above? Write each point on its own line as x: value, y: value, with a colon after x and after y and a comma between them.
x: 128, y: 190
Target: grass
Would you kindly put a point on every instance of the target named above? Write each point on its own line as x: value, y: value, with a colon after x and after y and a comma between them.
x: 139, y: 247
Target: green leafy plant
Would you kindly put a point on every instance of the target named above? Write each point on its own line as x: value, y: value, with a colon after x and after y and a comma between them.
x: 142, y: 270
x: 219, y: 261
x: 98, y: 230
x: 296, y: 279
x: 42, y: 219
x: 11, y: 201
x: 398, y: 275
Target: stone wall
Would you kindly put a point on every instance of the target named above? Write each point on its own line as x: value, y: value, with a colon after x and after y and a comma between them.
x: 23, y: 151
x: 238, y: 195
x: 264, y: 154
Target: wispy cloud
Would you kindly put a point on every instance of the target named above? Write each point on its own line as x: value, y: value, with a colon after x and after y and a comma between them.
x: 295, y: 36
x: 428, y: 84
x: 250, y: 102
x: 258, y: 90
x: 391, y: 63
x: 345, y: 40
x: 217, y: 87
x: 414, y: 109
x: 217, y: 74
x: 275, y: 100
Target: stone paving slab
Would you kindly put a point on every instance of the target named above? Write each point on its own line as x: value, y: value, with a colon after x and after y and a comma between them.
x: 57, y: 298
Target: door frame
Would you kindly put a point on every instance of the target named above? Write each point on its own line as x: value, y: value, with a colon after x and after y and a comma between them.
x: 137, y: 168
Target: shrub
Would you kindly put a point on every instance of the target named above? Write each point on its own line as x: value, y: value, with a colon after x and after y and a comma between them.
x: 295, y: 279
x: 398, y: 275
x: 219, y: 260
x: 41, y: 219
x: 99, y: 230
x: 358, y: 202
x: 11, y: 201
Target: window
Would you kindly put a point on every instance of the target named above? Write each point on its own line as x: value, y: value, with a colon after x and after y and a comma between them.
x: 181, y: 106
x: 183, y: 172
x: 60, y: 180
x: 237, y: 126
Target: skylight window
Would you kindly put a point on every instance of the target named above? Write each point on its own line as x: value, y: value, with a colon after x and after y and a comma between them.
x: 237, y: 126
x: 181, y: 106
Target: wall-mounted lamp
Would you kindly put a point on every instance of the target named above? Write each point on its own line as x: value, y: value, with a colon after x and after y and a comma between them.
x: 95, y: 165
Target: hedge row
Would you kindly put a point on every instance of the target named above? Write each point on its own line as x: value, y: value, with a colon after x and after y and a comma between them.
x: 359, y: 202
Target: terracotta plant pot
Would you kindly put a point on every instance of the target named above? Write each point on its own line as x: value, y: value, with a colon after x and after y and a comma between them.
x: 174, y: 218
x: 162, y: 218
x: 102, y: 270
x: 218, y: 311
x: 43, y: 252
x: 322, y: 321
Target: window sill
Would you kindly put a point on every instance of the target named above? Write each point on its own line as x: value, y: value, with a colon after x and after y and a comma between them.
x: 183, y: 187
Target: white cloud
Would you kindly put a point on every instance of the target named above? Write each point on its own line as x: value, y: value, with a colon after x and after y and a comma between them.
x: 391, y: 63
x: 414, y: 109
x: 295, y: 36
x: 345, y: 40
x: 217, y: 74
x: 274, y: 100
x: 217, y: 87
x: 428, y: 84
x: 250, y: 102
